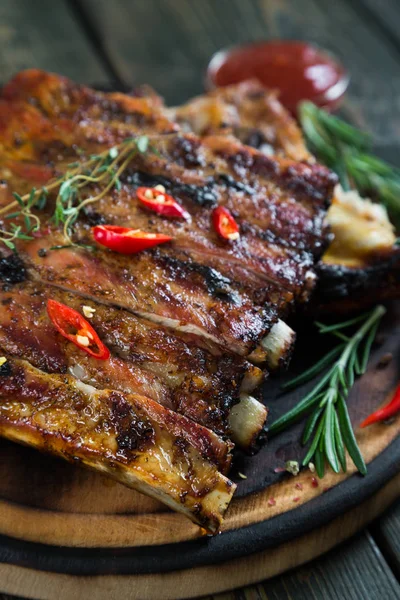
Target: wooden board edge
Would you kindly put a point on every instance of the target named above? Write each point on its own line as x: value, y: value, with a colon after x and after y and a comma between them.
x: 204, y: 580
x: 135, y: 530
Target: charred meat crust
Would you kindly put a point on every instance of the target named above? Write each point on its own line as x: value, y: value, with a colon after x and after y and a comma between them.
x: 12, y: 270
x: 129, y: 437
x: 249, y: 111
x: 152, y: 287
x: 341, y: 288
x: 177, y: 370
x: 207, y: 299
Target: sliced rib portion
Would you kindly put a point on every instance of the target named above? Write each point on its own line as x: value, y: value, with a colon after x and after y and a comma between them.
x: 179, y: 371
x: 249, y: 111
x: 126, y: 436
x: 100, y: 117
x: 362, y: 265
x: 182, y: 320
x: 156, y: 286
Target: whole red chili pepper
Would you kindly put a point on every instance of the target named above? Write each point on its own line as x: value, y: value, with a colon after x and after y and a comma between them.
x: 385, y: 412
x: 224, y: 224
x: 161, y: 203
x: 127, y: 240
x: 76, y: 329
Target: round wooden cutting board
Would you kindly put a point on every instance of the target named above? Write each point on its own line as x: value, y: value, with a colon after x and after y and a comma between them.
x: 63, y: 527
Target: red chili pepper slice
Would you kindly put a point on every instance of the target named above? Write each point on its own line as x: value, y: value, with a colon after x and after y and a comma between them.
x: 127, y: 240
x: 224, y: 224
x: 385, y: 412
x: 76, y: 329
x: 161, y: 203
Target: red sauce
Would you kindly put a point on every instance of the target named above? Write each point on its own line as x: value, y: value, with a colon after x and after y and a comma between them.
x: 298, y: 70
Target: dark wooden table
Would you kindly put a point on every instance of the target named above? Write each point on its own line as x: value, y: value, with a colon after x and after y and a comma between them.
x: 168, y: 43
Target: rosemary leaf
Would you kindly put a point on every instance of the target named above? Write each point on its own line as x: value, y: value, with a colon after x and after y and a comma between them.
x: 301, y: 408
x: 310, y: 424
x: 349, y: 437
x: 343, y: 131
x: 314, y: 370
x: 340, y: 449
x: 367, y: 349
x: 315, y: 442
x: 328, y: 419
x: 342, y: 325
x: 319, y: 461
x: 329, y: 438
x: 345, y: 149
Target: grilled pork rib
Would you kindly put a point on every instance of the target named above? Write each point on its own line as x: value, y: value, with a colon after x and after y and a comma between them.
x: 180, y: 372
x: 362, y: 265
x: 248, y: 111
x: 182, y: 320
x: 126, y: 436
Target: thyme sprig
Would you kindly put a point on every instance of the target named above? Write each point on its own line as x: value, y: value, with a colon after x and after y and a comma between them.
x: 31, y: 222
x: 328, y: 422
x: 347, y: 151
x: 100, y: 173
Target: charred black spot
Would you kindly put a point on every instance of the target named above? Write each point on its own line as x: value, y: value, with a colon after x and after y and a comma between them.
x: 230, y: 182
x: 12, y: 269
x: 5, y: 370
x: 185, y: 152
x: 217, y: 284
x: 259, y: 442
x: 239, y: 161
x: 254, y: 138
x: 315, y: 183
x: 133, y: 432
x: 203, y: 195
x: 94, y: 218
x: 264, y: 166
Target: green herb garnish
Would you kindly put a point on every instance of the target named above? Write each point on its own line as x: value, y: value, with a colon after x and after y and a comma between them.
x: 328, y: 423
x: 101, y: 172
x: 346, y: 150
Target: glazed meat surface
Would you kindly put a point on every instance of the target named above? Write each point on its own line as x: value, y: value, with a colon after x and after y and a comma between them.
x: 249, y: 111
x: 184, y: 322
x: 198, y: 380
x: 362, y: 265
x: 129, y: 437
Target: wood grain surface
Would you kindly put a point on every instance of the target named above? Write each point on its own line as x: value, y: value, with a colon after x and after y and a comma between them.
x: 209, y: 580
x: 43, y: 499
x: 387, y: 534
x: 168, y: 44
x: 34, y: 34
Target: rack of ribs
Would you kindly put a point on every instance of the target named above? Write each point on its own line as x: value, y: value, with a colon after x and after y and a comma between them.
x: 362, y: 264
x: 193, y: 326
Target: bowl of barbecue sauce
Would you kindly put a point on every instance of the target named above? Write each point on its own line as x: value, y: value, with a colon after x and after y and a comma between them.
x: 300, y: 71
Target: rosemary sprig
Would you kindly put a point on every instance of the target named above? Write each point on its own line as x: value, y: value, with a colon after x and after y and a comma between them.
x: 328, y: 421
x: 100, y: 173
x: 346, y: 150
